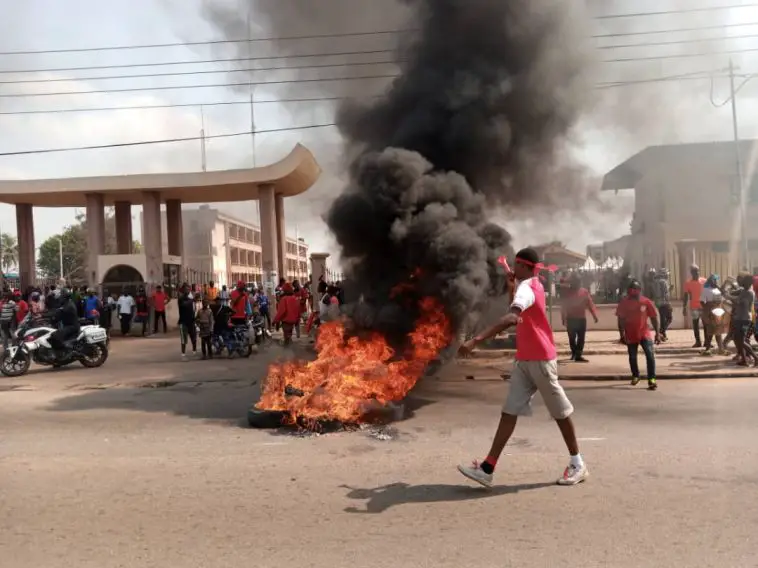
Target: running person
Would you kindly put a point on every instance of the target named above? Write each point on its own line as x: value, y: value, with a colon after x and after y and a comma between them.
x: 633, y: 312
x: 535, y: 369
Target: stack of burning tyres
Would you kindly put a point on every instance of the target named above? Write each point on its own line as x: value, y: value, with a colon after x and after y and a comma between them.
x: 353, y: 377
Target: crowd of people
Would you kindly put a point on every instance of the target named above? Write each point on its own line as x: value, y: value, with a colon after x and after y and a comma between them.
x: 724, y: 311
x: 205, y: 311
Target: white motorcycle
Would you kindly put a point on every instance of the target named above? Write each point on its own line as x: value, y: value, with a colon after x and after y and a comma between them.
x: 89, y: 347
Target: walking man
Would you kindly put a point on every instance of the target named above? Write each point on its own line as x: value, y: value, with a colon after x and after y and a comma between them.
x: 535, y: 369
x: 187, y: 326
x: 693, y: 288
x: 662, y: 299
x: 125, y: 310
x: 160, y: 300
x: 633, y: 313
x: 576, y: 301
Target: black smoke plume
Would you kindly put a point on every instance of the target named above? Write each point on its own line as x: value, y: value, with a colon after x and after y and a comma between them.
x: 488, y: 91
x: 487, y: 94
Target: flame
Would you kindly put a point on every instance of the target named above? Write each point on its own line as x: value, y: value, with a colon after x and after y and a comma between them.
x: 350, y: 377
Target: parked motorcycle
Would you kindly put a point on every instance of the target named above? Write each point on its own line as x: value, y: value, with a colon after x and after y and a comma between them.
x: 89, y: 347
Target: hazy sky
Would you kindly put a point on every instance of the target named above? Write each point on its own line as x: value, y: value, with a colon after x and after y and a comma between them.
x: 620, y: 122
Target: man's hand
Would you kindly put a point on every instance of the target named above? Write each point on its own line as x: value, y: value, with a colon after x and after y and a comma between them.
x: 657, y: 338
x: 466, y: 348
x: 595, y: 318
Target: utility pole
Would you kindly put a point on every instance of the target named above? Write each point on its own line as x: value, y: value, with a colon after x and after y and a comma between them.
x: 203, y: 162
x: 60, y: 256
x: 252, y: 106
x: 740, y: 179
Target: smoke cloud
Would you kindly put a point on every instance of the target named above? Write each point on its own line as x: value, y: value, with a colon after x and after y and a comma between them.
x: 478, y: 119
x: 488, y: 92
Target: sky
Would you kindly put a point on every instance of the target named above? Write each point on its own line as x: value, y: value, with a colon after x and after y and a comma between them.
x: 619, y: 122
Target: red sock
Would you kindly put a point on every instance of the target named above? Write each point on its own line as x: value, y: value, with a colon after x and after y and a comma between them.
x: 488, y: 465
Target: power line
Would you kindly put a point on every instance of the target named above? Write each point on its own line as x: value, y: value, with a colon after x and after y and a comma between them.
x: 206, y: 42
x: 368, y: 33
x: 696, y: 75
x: 178, y: 105
x: 199, y: 62
x: 180, y: 87
x: 673, y: 30
x: 679, y: 11
x: 677, y: 42
x: 680, y: 55
x: 164, y: 141
x: 203, y: 72
x: 319, y: 65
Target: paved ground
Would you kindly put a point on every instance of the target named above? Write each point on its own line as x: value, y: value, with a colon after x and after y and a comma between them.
x: 129, y: 476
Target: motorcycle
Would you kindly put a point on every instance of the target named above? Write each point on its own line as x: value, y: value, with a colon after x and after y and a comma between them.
x: 32, y: 343
x: 258, y: 330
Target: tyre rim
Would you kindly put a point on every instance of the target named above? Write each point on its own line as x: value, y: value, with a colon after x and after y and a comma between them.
x: 98, y: 352
x: 12, y: 365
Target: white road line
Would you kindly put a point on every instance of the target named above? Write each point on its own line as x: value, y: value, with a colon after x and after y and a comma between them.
x: 590, y: 439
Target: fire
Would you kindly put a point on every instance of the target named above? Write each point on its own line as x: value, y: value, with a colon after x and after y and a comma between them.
x: 351, y: 377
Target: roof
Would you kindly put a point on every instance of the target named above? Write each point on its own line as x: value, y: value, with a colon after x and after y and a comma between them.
x: 557, y: 248
x: 672, y: 159
x: 292, y: 175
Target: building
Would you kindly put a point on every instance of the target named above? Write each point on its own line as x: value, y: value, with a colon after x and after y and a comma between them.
x: 270, y: 185
x: 555, y: 253
x: 226, y: 249
x: 615, y: 249
x: 687, y: 207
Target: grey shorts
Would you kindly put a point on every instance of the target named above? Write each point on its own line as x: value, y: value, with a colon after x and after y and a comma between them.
x: 527, y: 378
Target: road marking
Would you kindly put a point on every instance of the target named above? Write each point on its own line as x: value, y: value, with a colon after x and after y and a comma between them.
x: 274, y: 444
x: 590, y: 439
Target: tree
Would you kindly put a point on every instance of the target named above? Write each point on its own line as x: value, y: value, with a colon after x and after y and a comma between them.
x: 9, y: 255
x: 75, y: 254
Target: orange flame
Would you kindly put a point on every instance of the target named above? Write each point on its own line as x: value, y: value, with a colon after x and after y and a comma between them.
x: 349, y: 378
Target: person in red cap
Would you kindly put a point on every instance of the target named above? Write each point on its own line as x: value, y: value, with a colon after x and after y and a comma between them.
x: 238, y: 303
x: 287, y: 312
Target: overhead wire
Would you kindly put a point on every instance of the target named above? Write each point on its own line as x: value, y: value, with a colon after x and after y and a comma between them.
x: 162, y: 141
x: 183, y: 87
x: 334, y: 35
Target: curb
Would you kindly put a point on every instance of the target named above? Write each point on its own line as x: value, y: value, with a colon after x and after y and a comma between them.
x: 664, y: 377
x: 498, y: 353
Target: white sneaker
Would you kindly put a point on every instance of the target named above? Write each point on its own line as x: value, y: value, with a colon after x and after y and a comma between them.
x: 574, y: 474
x: 474, y: 472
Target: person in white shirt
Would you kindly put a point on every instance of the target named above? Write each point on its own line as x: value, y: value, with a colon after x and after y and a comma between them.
x: 126, y: 306
x: 711, y: 299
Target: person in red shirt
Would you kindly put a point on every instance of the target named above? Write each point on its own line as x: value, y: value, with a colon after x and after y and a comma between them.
x: 160, y: 299
x: 238, y: 302
x: 288, y: 312
x: 535, y: 369
x: 633, y: 313
x: 575, y: 303
x: 22, y: 307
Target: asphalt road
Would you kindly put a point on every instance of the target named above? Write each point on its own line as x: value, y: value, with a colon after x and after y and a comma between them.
x: 98, y: 472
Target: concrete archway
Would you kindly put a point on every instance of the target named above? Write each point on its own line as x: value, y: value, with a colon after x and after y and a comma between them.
x: 122, y: 276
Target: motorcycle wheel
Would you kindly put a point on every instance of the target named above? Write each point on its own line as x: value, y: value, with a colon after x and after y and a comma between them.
x: 16, y: 368
x: 99, y: 356
x: 247, y: 352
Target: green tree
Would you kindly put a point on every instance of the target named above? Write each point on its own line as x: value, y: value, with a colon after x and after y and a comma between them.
x: 74, y: 240
x: 9, y: 255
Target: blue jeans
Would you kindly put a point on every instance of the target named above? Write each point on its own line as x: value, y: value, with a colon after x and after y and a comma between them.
x: 647, y: 348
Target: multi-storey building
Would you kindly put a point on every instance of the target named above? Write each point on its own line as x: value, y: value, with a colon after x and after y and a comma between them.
x: 226, y: 249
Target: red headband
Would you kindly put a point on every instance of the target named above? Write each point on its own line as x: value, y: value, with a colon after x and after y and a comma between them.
x: 537, y: 266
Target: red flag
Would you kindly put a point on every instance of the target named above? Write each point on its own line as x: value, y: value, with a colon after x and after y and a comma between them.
x: 504, y: 262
